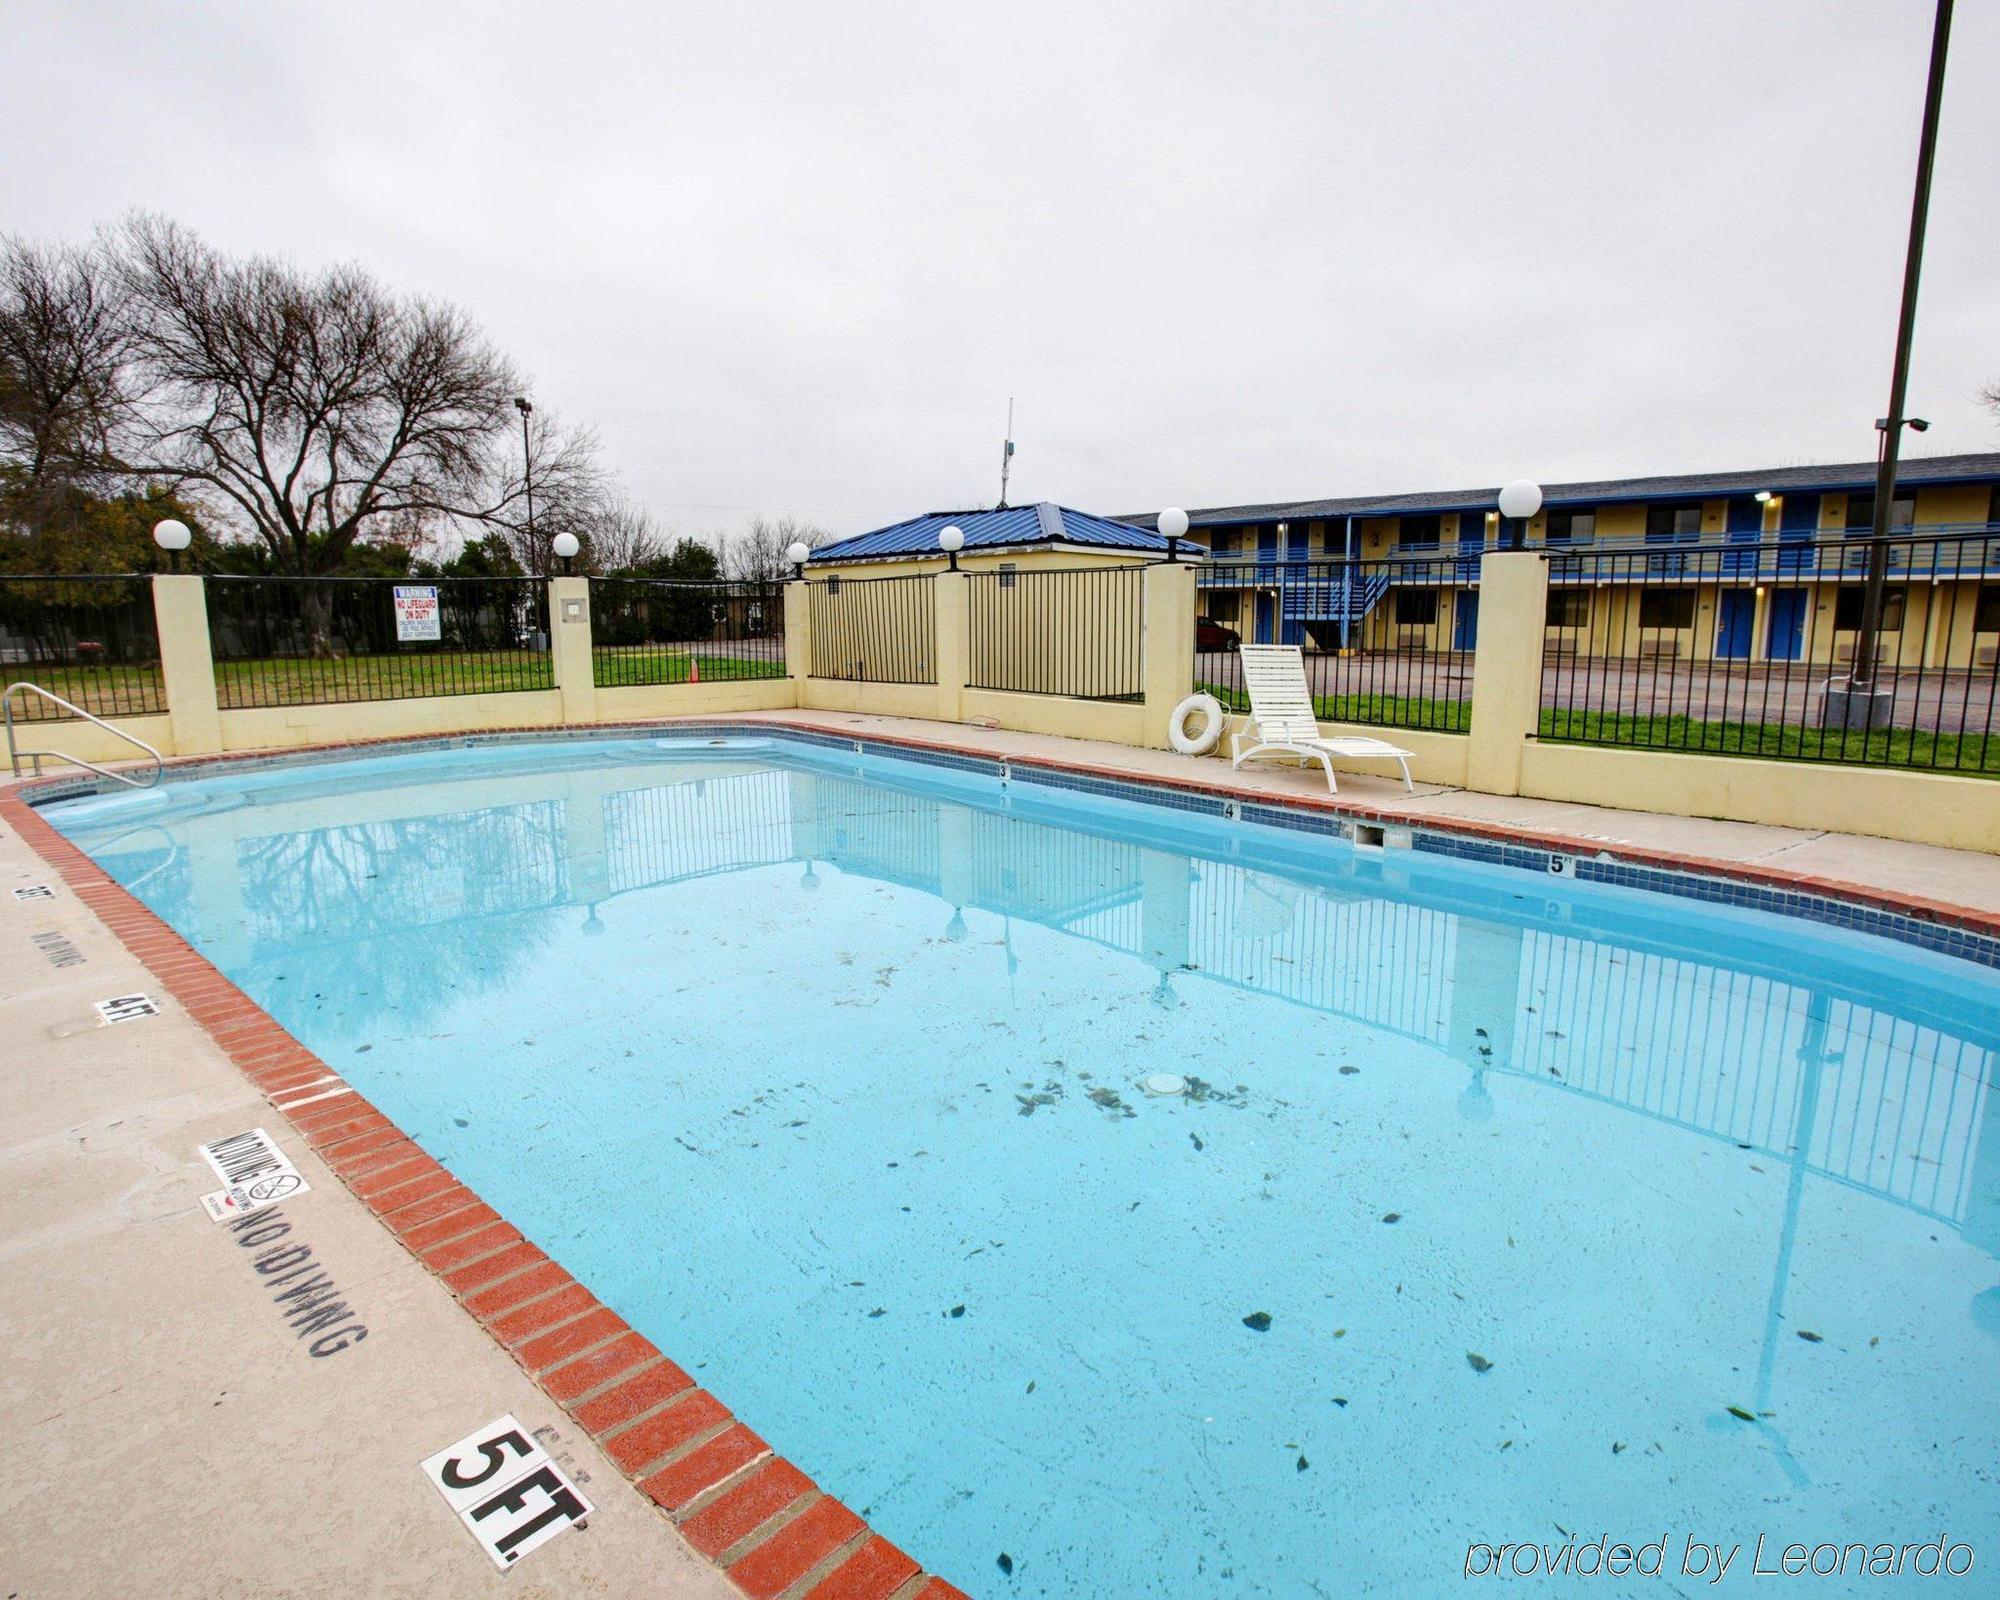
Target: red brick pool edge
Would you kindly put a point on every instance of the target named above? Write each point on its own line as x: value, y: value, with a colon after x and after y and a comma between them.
x: 765, y: 1523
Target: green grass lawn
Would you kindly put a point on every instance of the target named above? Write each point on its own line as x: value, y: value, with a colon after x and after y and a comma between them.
x: 1378, y: 710
x: 104, y: 691
x: 1973, y: 754
x: 624, y: 669
x: 307, y: 680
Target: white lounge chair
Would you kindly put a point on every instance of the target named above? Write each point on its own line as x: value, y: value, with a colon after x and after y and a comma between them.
x: 1283, y: 722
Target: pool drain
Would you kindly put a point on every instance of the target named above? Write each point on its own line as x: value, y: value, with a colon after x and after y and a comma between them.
x: 1164, y: 1084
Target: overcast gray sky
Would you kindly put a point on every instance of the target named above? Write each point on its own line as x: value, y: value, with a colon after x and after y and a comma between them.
x: 797, y: 256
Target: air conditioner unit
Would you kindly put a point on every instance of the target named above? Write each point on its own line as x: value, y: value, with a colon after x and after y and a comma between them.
x: 1843, y: 652
x: 1653, y: 648
x: 1986, y: 655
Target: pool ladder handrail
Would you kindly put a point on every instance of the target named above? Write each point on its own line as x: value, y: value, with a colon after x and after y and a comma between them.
x: 14, y: 754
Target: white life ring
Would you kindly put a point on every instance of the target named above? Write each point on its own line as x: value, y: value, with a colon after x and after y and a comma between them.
x: 1203, y: 737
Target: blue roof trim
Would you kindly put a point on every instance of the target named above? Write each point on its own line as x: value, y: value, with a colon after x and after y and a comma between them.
x: 1010, y: 526
x: 1914, y: 473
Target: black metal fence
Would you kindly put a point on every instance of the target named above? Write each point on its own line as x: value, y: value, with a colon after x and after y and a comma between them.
x: 1386, y: 642
x: 873, y: 630
x: 648, y: 631
x: 92, y: 640
x: 1752, y: 649
x: 1077, y: 632
x: 317, y: 641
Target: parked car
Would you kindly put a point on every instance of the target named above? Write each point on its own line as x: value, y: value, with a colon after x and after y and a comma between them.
x: 1212, y: 635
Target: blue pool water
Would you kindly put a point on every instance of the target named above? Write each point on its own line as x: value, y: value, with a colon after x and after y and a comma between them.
x: 824, y: 1071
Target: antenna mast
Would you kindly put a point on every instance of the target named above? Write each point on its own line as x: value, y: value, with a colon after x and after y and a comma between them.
x: 1007, y: 453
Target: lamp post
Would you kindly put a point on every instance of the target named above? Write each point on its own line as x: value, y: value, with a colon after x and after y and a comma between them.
x: 796, y: 553
x: 1520, y: 500
x: 565, y: 546
x: 1173, y: 525
x: 527, y: 464
x: 1890, y: 428
x: 172, y: 536
x: 951, y: 540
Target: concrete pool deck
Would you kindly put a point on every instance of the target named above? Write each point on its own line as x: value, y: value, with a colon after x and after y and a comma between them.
x: 1890, y: 867
x: 174, y: 1436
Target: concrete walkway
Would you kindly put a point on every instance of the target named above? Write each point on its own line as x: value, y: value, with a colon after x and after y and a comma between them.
x: 168, y: 1435
x: 1967, y: 878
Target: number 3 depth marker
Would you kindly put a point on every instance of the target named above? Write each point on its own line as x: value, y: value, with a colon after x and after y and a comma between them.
x: 511, y: 1497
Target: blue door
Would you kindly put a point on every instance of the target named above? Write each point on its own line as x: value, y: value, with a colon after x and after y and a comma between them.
x: 1733, y: 624
x: 1265, y: 611
x: 1787, y: 636
x: 1798, y: 526
x: 1465, y: 620
x: 1746, y: 530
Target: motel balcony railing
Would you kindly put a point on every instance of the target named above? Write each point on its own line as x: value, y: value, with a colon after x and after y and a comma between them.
x: 1933, y: 553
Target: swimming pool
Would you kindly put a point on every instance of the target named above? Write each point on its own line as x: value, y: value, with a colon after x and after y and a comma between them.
x: 1490, y: 1197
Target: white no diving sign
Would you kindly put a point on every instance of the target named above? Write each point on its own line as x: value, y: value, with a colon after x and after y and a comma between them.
x: 255, y: 1173
x: 511, y: 1497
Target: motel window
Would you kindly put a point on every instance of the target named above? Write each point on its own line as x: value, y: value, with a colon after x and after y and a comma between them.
x: 1675, y: 524
x: 1572, y: 527
x: 1861, y: 513
x: 1847, y: 609
x: 1418, y: 533
x: 1010, y: 574
x: 1416, y: 608
x: 1568, y: 608
x: 1986, y: 616
x: 1666, y: 608
x: 1223, y: 544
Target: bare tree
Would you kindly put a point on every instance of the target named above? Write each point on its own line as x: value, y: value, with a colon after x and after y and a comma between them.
x: 570, y: 491
x: 759, y: 551
x: 1989, y: 397
x: 625, y: 538
x: 64, y: 345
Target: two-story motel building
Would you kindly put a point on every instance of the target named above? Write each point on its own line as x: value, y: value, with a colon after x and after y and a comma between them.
x: 1751, y: 566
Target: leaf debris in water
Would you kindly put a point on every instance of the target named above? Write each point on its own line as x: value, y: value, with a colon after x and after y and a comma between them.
x: 956, y: 1311
x: 1346, y: 1071
x: 1303, y: 1464
x: 879, y: 1311
x: 1197, y: 1141
x: 1392, y: 1216
x: 1031, y: 1386
x: 1341, y: 1401
x: 1741, y: 1415
x: 1810, y: 1337
x: 1477, y: 1362
x: 1005, y: 1564
x: 1259, y: 1321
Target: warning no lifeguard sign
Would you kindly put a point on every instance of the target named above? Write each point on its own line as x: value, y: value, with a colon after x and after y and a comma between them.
x: 416, y: 612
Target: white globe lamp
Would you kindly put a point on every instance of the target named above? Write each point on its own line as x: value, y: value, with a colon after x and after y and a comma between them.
x: 796, y: 553
x: 951, y: 540
x: 1522, y: 498
x: 172, y: 536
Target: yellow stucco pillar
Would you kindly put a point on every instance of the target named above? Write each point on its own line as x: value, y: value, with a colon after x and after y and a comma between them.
x: 1168, y: 658
x: 798, y: 632
x: 951, y: 603
x: 187, y: 665
x: 569, y: 624
x: 1507, y: 667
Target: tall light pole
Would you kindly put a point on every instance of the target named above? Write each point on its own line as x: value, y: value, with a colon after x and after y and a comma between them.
x: 527, y: 463
x: 1862, y: 677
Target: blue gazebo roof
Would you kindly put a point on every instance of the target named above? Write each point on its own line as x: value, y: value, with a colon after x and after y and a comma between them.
x: 1010, y: 527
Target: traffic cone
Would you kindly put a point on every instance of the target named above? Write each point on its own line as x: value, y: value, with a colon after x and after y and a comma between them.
x: 694, y: 670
